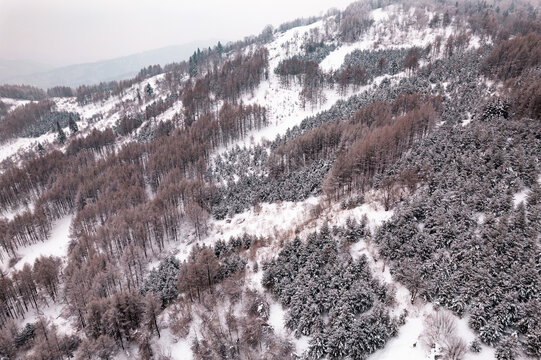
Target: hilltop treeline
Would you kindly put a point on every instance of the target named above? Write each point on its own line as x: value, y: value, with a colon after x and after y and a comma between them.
x: 22, y: 92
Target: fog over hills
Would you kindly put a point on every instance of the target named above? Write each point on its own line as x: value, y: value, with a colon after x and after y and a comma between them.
x: 20, y: 68
x: 46, y: 76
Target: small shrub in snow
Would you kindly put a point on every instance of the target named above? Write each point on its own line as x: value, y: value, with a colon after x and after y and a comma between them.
x: 475, y: 346
x: 439, y: 327
x: 455, y: 348
x: 25, y: 335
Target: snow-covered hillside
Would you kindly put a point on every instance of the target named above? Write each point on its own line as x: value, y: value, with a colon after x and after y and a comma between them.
x: 357, y: 185
x: 393, y: 27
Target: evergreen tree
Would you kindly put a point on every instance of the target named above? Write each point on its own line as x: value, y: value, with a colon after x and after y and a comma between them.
x: 219, y: 48
x: 394, y: 67
x: 61, y: 134
x: 148, y: 90
x: 163, y: 281
x: 446, y: 19
x: 72, y: 125
x: 507, y: 349
x: 192, y: 63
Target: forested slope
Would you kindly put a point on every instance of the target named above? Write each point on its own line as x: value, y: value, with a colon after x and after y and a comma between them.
x: 364, y: 184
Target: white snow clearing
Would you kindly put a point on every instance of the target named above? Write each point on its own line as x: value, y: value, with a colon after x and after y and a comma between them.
x: 520, y: 197
x: 56, y: 244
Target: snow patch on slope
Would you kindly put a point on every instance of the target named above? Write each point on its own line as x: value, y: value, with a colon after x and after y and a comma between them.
x: 99, y: 115
x: 169, y: 345
x: 56, y: 244
x: 520, y: 197
x: 14, y: 103
x: 393, y: 27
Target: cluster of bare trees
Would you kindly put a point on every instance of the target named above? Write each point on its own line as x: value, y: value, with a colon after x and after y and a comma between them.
x: 20, y: 183
x: 60, y: 91
x: 86, y: 94
x: 198, y: 273
x: 27, y: 288
x: 308, y: 74
x: 160, y: 106
x: 516, y: 62
x: 188, y: 149
x: 94, y: 93
x: 355, y: 75
x: 174, y: 74
x: 370, y: 153
x: 118, y: 317
x: 129, y: 123
x: 23, y: 230
x: 226, y: 334
x: 40, y: 336
x: 527, y: 99
x: 97, y: 141
x: 211, y: 286
x: 23, y: 117
x: 228, y: 82
x: 374, y: 136
x: 56, y: 183
x: 319, y: 143
x: 298, y: 68
x: 354, y: 21
x: 235, y: 121
x: 25, y: 92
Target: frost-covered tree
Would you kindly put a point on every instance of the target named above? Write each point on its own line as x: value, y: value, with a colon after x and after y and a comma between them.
x: 72, y: 125
x: 319, y: 280
x: 162, y: 281
x: 149, y: 91
x: 61, y: 135
x: 507, y: 349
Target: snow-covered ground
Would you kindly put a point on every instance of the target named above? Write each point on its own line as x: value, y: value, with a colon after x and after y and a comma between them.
x: 14, y: 146
x: 99, y: 115
x: 520, y: 197
x: 169, y: 345
x: 468, y: 120
x: 53, y: 313
x: 394, y: 27
x: 13, y: 103
x: 56, y: 244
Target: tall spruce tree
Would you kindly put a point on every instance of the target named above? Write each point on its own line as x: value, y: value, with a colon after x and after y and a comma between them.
x: 61, y: 134
x: 72, y: 125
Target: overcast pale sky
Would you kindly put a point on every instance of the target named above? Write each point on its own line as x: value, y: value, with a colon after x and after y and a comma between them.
x: 61, y: 32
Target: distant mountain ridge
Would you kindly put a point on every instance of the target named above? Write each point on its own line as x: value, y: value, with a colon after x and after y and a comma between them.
x: 19, y: 68
x: 91, y: 73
